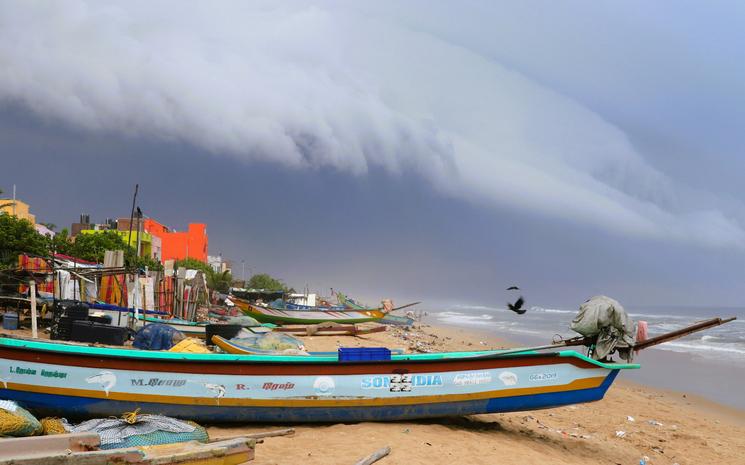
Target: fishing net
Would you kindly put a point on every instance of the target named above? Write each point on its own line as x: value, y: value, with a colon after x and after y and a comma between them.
x: 142, y: 430
x: 269, y: 342
x: 157, y: 336
x: 244, y: 320
x: 606, y: 320
x: 16, y: 421
x: 51, y: 425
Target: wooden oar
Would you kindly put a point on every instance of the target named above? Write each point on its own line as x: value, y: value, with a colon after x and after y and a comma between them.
x: 661, y: 339
x: 672, y: 335
x: 404, y: 306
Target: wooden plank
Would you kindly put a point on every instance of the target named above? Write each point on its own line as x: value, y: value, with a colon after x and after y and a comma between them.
x: 39, y: 446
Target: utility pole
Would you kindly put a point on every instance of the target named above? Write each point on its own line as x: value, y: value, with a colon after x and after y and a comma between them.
x: 137, y: 272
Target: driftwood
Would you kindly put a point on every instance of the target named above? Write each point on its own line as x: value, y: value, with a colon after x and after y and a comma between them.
x: 375, y: 456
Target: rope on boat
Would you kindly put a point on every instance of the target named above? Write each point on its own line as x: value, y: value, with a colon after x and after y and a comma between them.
x: 53, y: 425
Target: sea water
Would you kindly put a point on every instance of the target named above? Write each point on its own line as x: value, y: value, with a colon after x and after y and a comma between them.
x: 710, y: 363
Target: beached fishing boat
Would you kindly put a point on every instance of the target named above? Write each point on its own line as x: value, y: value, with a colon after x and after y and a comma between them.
x: 188, y: 328
x: 397, y: 320
x: 75, y: 381
x: 307, y: 316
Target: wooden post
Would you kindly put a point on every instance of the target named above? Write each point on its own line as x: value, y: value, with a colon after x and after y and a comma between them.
x: 32, y: 291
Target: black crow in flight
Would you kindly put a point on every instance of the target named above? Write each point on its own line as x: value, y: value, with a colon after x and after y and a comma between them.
x: 517, y: 307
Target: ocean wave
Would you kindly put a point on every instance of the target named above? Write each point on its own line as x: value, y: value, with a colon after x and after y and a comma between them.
x: 663, y: 315
x: 720, y: 343
x: 459, y: 318
x: 552, y: 310
x: 475, y: 307
x: 695, y: 347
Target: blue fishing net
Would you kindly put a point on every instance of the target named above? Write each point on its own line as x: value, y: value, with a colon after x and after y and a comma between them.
x: 157, y: 336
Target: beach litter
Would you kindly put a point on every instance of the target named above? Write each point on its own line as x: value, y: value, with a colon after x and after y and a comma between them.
x: 630, y: 419
x: 654, y: 423
x: 620, y: 434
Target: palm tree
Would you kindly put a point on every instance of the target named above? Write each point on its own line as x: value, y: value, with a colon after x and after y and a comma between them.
x: 220, y: 282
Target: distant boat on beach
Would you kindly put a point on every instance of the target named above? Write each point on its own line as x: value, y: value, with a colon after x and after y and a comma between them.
x: 306, y: 316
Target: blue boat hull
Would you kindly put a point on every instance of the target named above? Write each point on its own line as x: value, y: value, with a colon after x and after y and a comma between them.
x: 81, y: 407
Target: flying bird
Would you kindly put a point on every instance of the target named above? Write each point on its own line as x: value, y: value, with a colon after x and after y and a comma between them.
x: 517, y: 307
x: 513, y: 288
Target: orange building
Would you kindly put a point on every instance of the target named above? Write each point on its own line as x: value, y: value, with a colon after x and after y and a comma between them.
x: 174, y: 245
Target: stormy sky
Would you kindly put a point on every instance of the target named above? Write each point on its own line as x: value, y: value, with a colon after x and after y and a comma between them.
x: 437, y: 151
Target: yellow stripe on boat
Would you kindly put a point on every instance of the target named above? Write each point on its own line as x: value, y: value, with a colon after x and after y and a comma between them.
x: 584, y: 383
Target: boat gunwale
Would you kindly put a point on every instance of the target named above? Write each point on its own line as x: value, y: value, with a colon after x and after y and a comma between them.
x: 180, y: 357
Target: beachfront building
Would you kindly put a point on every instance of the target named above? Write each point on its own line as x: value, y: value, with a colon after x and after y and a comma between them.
x: 146, y: 241
x: 156, y: 240
x: 219, y: 264
x: 18, y: 209
x: 178, y: 245
x: 21, y: 210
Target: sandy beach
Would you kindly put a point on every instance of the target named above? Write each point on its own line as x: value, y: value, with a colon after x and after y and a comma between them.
x: 668, y: 427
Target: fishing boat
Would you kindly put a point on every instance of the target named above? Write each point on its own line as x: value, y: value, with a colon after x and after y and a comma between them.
x: 74, y: 381
x: 397, y: 320
x: 188, y: 328
x: 306, y: 316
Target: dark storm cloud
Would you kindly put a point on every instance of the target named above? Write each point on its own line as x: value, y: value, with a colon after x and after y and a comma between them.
x: 403, y: 149
x: 311, y: 86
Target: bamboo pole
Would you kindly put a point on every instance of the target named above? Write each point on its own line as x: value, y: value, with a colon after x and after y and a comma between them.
x: 34, y: 327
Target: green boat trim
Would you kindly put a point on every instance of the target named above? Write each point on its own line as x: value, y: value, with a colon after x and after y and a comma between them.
x: 179, y: 356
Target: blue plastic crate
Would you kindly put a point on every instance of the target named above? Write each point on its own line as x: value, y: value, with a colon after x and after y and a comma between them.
x: 367, y: 354
x: 10, y: 321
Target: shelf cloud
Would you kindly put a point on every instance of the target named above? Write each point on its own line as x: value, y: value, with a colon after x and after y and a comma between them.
x: 318, y: 87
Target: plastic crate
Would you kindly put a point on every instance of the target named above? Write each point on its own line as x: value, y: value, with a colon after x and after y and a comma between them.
x: 363, y: 354
x: 87, y: 331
